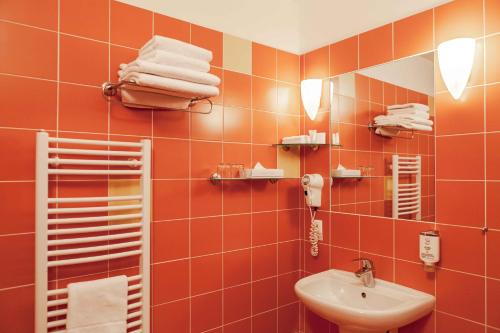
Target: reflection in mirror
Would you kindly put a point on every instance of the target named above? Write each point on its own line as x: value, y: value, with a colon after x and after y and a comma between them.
x: 383, y: 119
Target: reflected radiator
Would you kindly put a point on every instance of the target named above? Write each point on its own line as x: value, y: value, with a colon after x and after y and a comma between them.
x: 406, y: 186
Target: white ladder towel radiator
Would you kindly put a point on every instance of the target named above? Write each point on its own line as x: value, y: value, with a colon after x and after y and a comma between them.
x: 125, y: 233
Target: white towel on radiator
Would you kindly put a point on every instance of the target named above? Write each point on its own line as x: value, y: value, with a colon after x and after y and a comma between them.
x: 173, y: 85
x: 176, y: 46
x: 175, y: 60
x: 98, y: 306
x: 172, y: 72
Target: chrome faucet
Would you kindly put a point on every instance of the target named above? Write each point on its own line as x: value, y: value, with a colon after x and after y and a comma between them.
x: 365, y: 273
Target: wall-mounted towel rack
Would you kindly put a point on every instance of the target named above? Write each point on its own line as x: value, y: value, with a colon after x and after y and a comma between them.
x: 110, y: 89
x: 373, y: 127
x: 91, y: 230
x: 406, y: 186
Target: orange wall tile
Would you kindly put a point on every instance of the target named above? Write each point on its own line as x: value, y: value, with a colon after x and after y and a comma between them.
x: 344, y: 56
x: 127, y: 34
x: 375, y: 46
x: 317, y: 63
x: 20, y: 44
x: 461, y: 18
x: 413, y: 35
x: 85, y: 18
x: 171, y: 27
x: 263, y: 61
x: 41, y: 14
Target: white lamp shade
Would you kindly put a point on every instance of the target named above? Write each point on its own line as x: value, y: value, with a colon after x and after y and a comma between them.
x: 456, y: 57
x: 310, y: 92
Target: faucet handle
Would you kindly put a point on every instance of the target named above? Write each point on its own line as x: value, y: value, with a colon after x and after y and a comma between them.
x: 367, y: 263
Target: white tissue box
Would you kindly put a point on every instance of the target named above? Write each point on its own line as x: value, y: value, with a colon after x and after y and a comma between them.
x: 298, y: 139
x: 264, y: 173
x: 346, y: 173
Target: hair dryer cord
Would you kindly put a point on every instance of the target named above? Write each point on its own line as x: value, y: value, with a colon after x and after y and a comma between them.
x: 313, y: 233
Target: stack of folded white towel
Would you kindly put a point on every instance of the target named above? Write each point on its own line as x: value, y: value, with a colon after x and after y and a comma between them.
x: 411, y: 116
x: 165, y: 64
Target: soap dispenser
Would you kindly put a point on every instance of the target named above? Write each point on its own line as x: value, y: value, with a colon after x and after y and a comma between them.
x: 429, y: 249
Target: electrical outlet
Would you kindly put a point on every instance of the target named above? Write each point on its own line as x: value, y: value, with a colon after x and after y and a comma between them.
x: 319, y: 225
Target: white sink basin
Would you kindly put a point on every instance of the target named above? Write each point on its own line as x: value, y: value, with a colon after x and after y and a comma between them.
x: 340, y: 297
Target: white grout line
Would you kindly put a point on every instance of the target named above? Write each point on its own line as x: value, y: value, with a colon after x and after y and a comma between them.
x: 485, y: 175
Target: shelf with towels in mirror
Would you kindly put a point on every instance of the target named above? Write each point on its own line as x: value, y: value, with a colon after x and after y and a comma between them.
x: 313, y: 146
x: 215, y: 178
x: 374, y: 127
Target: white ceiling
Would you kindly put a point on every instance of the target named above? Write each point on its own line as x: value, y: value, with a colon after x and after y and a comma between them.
x: 296, y: 26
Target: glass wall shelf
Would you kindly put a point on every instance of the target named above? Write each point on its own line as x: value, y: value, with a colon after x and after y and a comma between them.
x: 216, y: 179
x: 313, y: 146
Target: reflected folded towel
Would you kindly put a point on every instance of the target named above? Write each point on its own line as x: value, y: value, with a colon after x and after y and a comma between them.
x: 176, y: 46
x: 172, y: 72
x: 416, y: 113
x: 174, y: 85
x: 413, y: 106
x: 175, y: 60
x: 98, y: 306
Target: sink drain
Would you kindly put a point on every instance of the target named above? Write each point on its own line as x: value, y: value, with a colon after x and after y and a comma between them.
x: 363, y: 294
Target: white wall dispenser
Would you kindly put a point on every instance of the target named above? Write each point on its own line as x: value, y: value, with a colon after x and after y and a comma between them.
x: 429, y: 249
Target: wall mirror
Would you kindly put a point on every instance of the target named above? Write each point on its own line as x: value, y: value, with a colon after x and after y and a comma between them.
x: 364, y: 144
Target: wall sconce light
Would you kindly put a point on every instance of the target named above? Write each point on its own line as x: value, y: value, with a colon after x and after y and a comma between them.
x: 310, y: 92
x: 456, y: 57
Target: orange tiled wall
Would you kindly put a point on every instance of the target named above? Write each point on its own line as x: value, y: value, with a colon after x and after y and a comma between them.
x: 467, y: 282
x: 223, y: 256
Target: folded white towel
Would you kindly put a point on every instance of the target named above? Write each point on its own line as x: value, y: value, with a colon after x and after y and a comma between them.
x: 172, y: 72
x: 98, y: 306
x: 173, y: 85
x: 414, y: 106
x: 416, y: 113
x: 381, y: 120
x: 176, y: 46
x: 175, y: 60
x: 144, y: 99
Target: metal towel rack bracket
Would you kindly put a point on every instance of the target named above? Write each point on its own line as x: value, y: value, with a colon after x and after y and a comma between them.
x: 110, y: 89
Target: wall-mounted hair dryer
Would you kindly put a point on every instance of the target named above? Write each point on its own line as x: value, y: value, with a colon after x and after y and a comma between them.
x: 312, y: 184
